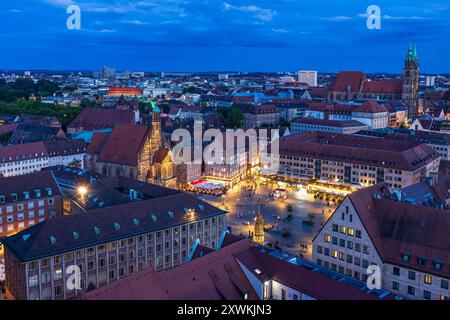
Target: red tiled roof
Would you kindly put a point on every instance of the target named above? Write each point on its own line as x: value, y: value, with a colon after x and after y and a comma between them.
x: 370, y: 106
x: 401, y: 155
x: 28, y: 183
x: 243, y: 99
x: 398, y: 228
x: 97, y: 142
x: 215, y: 276
x: 23, y: 152
x: 95, y: 118
x: 345, y: 79
x: 383, y: 86
x: 309, y: 282
x: 123, y: 144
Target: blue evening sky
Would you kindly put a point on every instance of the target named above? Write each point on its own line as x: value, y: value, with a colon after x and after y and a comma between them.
x: 217, y: 35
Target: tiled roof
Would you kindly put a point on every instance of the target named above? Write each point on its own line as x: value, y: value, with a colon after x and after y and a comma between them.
x: 398, y: 229
x: 95, y: 119
x: 19, y: 185
x: 311, y: 283
x: 215, y: 276
x: 370, y: 106
x: 383, y: 86
x: 23, y: 152
x: 347, y: 79
x: 64, y: 147
x: 401, y: 155
x: 123, y: 144
x: 104, y: 225
x: 329, y: 123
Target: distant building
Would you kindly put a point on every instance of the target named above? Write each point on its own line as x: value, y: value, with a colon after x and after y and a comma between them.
x: 356, y: 160
x: 133, y: 151
x: 95, y: 119
x: 372, y: 114
x: 22, y: 159
x: 261, y: 115
x: 353, y: 85
x: 335, y: 126
x: 308, y: 77
x: 408, y: 243
x: 65, y: 152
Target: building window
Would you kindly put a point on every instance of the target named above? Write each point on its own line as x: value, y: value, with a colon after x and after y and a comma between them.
x: 427, y: 279
x: 58, y: 290
x: 327, y: 238
x: 426, y: 294
x: 411, y: 290
x: 351, y: 232
x: 444, y: 284
x: 343, y: 230
x: 396, y: 271
x: 33, y: 281
x: 395, y: 285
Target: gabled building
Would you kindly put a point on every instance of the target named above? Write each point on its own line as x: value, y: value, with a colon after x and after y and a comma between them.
x: 408, y: 243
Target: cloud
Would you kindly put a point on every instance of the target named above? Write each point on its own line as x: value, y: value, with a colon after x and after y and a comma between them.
x: 337, y: 18
x: 134, y: 22
x: 388, y: 17
x: 13, y: 11
x: 265, y: 15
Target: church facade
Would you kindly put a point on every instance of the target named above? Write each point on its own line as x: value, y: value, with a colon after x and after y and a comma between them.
x: 354, y: 85
x: 134, y: 151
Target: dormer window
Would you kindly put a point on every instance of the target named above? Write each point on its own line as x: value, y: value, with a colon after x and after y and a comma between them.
x: 26, y: 195
x: 49, y: 191
x: 405, y: 257
x: 421, y: 261
x: 38, y: 193
x: 437, y: 265
x: 14, y: 196
x: 2, y: 199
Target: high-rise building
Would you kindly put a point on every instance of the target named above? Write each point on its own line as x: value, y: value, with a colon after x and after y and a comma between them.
x: 109, y: 73
x: 309, y: 77
x: 410, y: 89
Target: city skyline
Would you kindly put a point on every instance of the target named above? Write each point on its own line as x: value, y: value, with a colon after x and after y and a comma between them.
x: 198, y: 36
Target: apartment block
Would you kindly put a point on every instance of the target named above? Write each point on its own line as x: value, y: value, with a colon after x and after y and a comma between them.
x: 27, y: 200
x: 356, y: 160
x: 408, y: 243
x: 107, y: 244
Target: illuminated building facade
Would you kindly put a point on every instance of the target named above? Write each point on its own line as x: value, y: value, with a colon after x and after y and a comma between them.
x: 108, y: 244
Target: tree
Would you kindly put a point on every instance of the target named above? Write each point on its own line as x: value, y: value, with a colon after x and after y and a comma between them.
x: 284, y: 123
x: 234, y: 117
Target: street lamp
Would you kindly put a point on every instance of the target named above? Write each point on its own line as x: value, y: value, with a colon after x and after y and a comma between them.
x: 82, y: 191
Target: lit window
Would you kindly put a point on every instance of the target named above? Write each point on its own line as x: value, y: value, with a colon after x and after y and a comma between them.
x: 427, y: 279
x: 351, y: 232
x: 343, y: 230
x: 327, y: 238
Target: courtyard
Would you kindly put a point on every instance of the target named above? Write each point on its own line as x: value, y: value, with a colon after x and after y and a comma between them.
x: 291, y: 223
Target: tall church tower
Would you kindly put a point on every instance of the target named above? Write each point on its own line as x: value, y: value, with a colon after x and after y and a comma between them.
x: 410, y: 89
x: 156, y: 129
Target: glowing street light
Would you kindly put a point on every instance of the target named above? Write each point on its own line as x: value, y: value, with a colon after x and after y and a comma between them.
x: 82, y: 190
